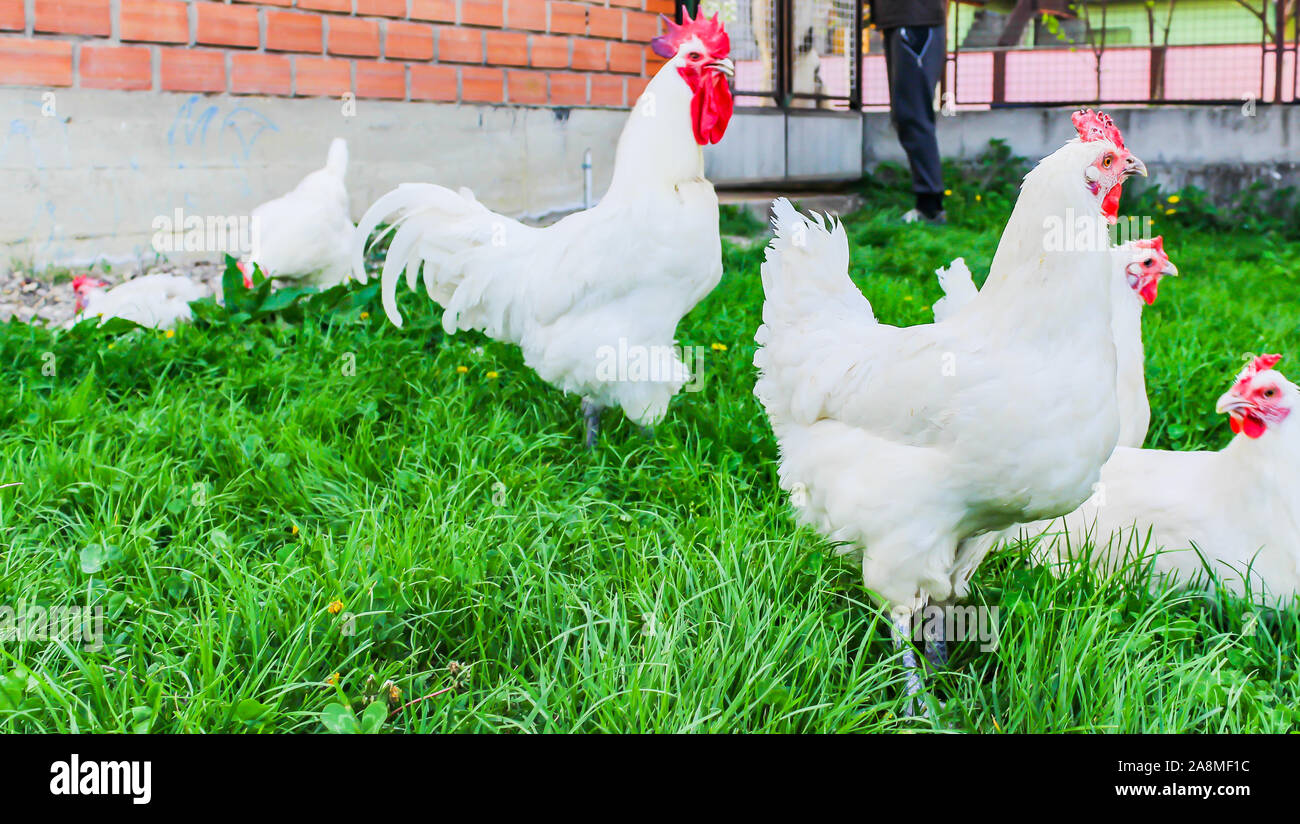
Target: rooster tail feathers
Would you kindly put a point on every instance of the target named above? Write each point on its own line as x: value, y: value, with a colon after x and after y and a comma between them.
x: 958, y: 289
x: 432, y: 228
x: 337, y: 161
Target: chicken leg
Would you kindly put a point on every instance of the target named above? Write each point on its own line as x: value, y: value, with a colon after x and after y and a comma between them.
x: 936, y: 643
x: 902, y: 635
x: 591, y: 415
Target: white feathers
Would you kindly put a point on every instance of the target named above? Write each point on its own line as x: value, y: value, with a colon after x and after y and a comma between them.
x: 909, y: 444
x: 156, y: 301
x: 589, y: 296
x: 306, y: 234
x: 1126, y: 324
x: 1235, y: 511
x: 958, y: 289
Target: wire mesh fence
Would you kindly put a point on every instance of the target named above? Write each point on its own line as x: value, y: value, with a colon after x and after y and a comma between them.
x: 824, y: 53
x: 793, y: 53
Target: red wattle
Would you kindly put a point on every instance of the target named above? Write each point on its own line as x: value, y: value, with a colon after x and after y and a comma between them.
x: 1252, y: 426
x: 711, y: 108
x: 1148, y: 291
x: 1110, y: 203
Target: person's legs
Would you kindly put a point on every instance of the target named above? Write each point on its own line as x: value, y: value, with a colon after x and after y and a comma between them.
x: 915, y: 57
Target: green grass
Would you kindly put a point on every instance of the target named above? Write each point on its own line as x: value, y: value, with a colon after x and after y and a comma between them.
x: 217, y: 490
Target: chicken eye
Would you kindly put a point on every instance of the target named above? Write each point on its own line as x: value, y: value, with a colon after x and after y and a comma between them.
x: 694, y: 56
x: 1149, y: 262
x: 1268, y: 393
x: 1107, y: 160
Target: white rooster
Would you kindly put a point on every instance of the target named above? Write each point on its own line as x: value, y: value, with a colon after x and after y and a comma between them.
x: 306, y: 234
x: 1136, y: 267
x: 614, y: 278
x: 157, y: 301
x: 1238, y: 509
x: 907, y: 443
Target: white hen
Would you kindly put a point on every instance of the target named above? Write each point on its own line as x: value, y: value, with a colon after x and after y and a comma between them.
x: 614, y: 279
x: 156, y: 301
x: 306, y: 235
x: 907, y: 443
x: 1238, y: 509
x: 1137, y: 267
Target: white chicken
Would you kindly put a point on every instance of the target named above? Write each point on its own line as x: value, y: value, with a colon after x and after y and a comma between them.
x: 157, y: 301
x: 615, y: 279
x: 1136, y: 267
x: 907, y: 443
x: 1235, y: 512
x: 306, y: 234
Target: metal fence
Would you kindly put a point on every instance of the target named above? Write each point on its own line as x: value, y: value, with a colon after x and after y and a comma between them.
x: 805, y: 53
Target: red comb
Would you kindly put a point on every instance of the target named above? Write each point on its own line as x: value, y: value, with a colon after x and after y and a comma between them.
x: 80, y: 282
x: 1157, y: 243
x: 1263, y: 362
x: 1257, y: 365
x: 1096, y: 126
x: 710, y: 32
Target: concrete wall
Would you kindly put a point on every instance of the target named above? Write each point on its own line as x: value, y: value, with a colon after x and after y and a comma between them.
x: 87, y: 182
x: 1218, y: 148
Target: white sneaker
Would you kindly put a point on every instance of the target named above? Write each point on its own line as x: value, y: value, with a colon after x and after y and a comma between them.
x: 917, y: 216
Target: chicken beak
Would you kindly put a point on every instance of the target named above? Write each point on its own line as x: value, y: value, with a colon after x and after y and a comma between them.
x: 1134, y: 166
x: 1230, y: 402
x: 725, y: 66
x: 1170, y: 269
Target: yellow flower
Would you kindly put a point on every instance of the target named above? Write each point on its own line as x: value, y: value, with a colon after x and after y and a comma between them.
x: 925, y: 308
x: 365, y: 316
x: 394, y: 693
x: 333, y: 680
x: 492, y: 376
x: 460, y: 370
x: 170, y: 333
x: 335, y: 607
x: 1174, y: 198
x: 978, y: 197
x: 719, y: 347
x: 1170, y: 211
x: 947, y: 192
x: 293, y: 530
x: 907, y: 298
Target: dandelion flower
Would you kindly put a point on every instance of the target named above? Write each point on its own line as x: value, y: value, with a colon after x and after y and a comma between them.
x: 293, y: 530
x: 335, y: 607
x: 907, y: 298
x: 170, y: 333
x: 1170, y: 211
x: 978, y: 197
x: 365, y: 316
x: 394, y: 693
x: 1174, y: 198
x: 492, y: 376
x: 719, y: 347
x: 333, y: 680
x: 947, y: 192
x: 460, y: 370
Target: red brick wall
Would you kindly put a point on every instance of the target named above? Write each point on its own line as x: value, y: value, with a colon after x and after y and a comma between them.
x: 552, y: 52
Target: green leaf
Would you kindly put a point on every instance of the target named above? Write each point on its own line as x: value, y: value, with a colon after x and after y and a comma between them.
x: 249, y: 710
x: 141, y: 719
x: 93, y: 558
x: 372, y: 720
x: 339, y: 719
